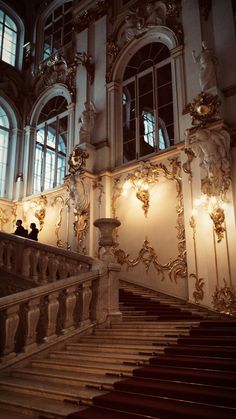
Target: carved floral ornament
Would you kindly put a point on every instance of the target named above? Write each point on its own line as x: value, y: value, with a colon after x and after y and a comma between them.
x: 38, y: 206
x: 224, y: 299
x: 146, y: 176
x: 140, y: 18
x: 78, y: 190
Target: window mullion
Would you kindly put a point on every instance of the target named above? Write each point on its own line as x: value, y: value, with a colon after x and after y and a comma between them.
x: 137, y: 140
x: 44, y: 156
x: 56, y: 152
x: 155, y: 101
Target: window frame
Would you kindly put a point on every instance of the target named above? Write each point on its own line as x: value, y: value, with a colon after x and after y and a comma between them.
x: 7, y: 10
x: 45, y: 147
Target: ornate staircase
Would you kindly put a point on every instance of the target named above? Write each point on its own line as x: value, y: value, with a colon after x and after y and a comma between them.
x: 166, y: 359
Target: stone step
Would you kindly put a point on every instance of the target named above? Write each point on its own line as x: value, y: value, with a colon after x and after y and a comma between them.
x: 5, y: 414
x: 85, y: 366
x: 33, y: 406
x: 48, y: 390
x: 104, y: 357
x: 66, y: 377
x: 129, y: 349
x: 129, y: 339
x: 149, y: 326
x: 139, y: 332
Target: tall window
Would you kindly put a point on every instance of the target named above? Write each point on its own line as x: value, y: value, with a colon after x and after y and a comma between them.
x: 148, y: 124
x: 57, y: 29
x: 51, y: 145
x: 8, y: 39
x: 4, y: 142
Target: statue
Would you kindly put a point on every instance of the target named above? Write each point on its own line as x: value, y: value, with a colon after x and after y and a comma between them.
x: 87, y: 122
x: 207, y: 61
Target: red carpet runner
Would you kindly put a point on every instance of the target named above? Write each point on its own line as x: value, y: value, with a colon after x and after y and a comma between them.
x: 195, y: 378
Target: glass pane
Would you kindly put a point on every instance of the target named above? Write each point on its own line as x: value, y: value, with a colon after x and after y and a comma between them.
x: 1, y: 16
x: 147, y: 127
x: 129, y: 151
x: 61, y: 169
x: 145, y: 84
x: 49, y: 169
x: 166, y: 114
x: 146, y: 103
x: 63, y: 135
x: 51, y: 136
x: 129, y: 131
x: 40, y: 136
x: 164, y: 94
x: 38, y: 168
x: 4, y: 139
x: 58, y: 12
x: 9, y: 22
x: 145, y: 148
x: 163, y: 75
x: 4, y: 121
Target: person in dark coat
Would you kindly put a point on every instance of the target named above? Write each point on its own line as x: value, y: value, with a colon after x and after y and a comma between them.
x: 20, y: 231
x: 33, y: 235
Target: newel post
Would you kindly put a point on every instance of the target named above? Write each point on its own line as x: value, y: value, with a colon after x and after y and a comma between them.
x: 107, y: 306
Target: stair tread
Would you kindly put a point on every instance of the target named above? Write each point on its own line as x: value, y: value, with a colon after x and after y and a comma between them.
x: 37, y: 404
x: 103, y: 355
x: 77, y: 364
x: 68, y: 391
x: 88, y: 376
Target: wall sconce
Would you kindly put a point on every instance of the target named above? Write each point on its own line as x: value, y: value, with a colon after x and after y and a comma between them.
x: 140, y: 182
x: 215, y: 207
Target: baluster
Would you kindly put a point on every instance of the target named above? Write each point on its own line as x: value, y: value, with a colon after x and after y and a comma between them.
x: 43, y: 267
x: 32, y: 322
x: 34, y: 265
x: 53, y: 267
x: 9, y: 252
x: 11, y: 325
x: 62, y: 268
x: 2, y: 249
x: 53, y: 307
x: 26, y: 262
x: 86, y: 300
x: 70, y: 302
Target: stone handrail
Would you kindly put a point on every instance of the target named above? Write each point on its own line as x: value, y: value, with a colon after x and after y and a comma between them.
x: 39, y: 262
x: 33, y: 319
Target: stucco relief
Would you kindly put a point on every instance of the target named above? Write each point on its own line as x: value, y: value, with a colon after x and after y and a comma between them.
x: 87, y: 121
x: 78, y: 187
x: 212, y: 147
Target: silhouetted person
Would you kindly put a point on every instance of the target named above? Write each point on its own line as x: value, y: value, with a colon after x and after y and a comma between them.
x: 33, y: 235
x: 20, y: 231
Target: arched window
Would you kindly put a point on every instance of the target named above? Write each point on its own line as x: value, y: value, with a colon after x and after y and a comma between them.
x: 51, y: 145
x: 57, y: 30
x: 147, y: 100
x: 11, y: 36
x: 4, y: 144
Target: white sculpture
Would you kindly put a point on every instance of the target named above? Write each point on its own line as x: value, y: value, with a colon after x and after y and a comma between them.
x: 87, y: 120
x: 207, y: 61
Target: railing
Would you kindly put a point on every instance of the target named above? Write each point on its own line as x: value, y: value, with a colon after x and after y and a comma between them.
x: 79, y: 292
x: 39, y: 262
x: 32, y: 319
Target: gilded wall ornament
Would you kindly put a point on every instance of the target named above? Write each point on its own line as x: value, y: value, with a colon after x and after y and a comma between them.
x: 38, y: 206
x: 198, y: 294
x: 147, y: 256
x: 77, y: 160
x: 86, y: 61
x: 218, y: 218
x: 224, y: 299
x: 205, y: 109
x: 97, y: 184
x: 64, y: 203
x: 148, y: 175
x: 212, y: 147
x: 3, y: 218
x: 84, y: 19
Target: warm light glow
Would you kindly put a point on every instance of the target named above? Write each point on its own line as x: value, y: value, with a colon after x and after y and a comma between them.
x: 194, y: 211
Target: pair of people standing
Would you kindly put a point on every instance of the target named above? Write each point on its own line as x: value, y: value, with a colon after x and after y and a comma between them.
x: 21, y: 231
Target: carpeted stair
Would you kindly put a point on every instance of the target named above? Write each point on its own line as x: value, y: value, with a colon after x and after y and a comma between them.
x: 167, y: 359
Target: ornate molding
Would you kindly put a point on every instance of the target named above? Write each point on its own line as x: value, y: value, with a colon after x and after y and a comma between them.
x: 97, y: 184
x: 4, y: 219
x: 64, y: 202
x: 198, y: 294
x: 176, y: 268
x: 77, y: 160
x: 86, y: 61
x: 218, y: 217
x: 88, y: 16
x: 224, y: 299
x: 140, y: 18
x: 204, y: 109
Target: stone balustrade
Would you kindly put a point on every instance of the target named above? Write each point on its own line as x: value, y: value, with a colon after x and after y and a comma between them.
x: 39, y: 262
x: 33, y: 319
x: 74, y: 292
